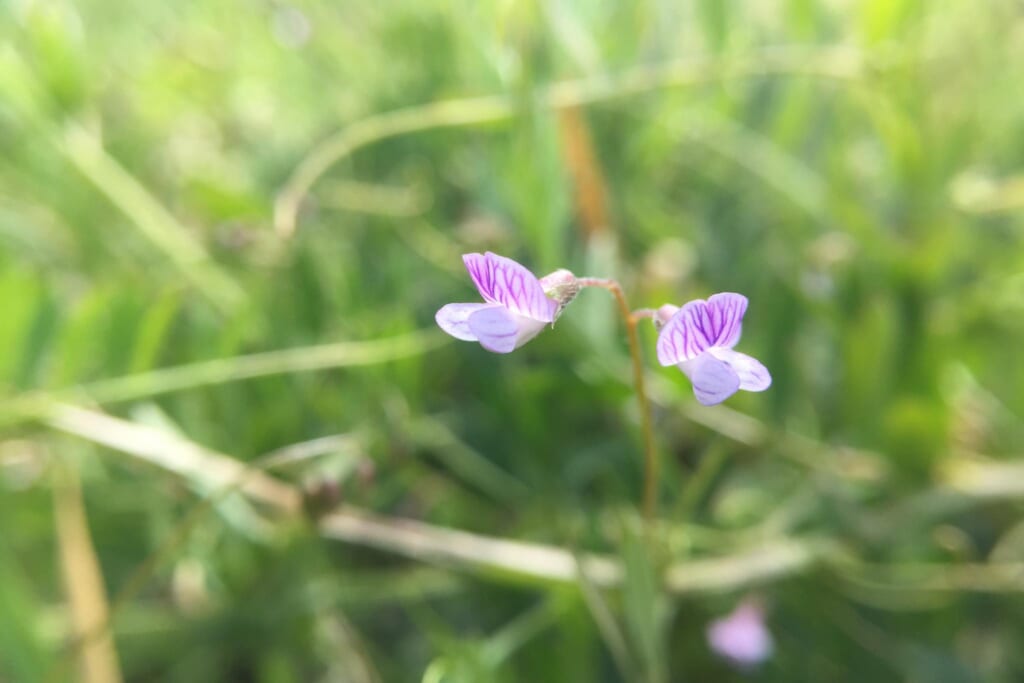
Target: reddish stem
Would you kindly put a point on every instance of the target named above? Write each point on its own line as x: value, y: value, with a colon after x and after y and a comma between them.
x: 631, y: 319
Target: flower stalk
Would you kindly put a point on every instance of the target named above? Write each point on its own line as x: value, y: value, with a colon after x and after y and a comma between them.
x: 631, y: 319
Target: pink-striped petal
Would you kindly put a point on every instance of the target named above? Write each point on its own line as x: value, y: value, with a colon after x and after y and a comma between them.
x: 480, y: 271
x: 501, y: 280
x: 725, y: 317
x: 713, y: 380
x: 683, y: 337
x: 700, y: 325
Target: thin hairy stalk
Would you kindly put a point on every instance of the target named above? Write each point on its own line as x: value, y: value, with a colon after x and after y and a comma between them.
x: 642, y: 314
x: 646, y: 427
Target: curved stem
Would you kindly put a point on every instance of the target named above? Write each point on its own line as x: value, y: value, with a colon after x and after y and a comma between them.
x: 650, y: 456
x: 837, y: 63
x: 641, y: 313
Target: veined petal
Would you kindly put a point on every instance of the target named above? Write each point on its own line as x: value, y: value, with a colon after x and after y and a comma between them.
x: 713, y: 380
x: 753, y: 375
x: 481, y: 274
x: 683, y: 337
x: 698, y: 326
x: 454, y: 319
x: 725, y: 315
x: 501, y: 280
x: 495, y: 328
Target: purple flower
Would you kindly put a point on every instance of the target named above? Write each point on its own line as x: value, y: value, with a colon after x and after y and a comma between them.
x: 699, y: 338
x: 742, y: 637
x: 518, y: 306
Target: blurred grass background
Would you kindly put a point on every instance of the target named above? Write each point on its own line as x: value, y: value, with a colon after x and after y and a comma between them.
x: 213, y: 231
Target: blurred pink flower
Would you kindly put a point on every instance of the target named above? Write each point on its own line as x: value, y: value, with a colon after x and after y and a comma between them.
x: 742, y: 637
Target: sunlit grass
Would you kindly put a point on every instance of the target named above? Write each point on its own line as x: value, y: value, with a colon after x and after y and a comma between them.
x: 225, y: 230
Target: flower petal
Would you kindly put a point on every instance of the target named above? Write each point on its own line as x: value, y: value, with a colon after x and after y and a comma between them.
x: 742, y: 637
x: 725, y: 314
x: 684, y: 336
x: 528, y: 329
x: 753, y: 376
x: 454, y: 319
x: 698, y: 326
x: 480, y: 272
x: 713, y: 380
x: 501, y: 280
x: 495, y: 328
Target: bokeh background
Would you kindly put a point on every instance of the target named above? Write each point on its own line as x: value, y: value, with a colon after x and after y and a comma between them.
x: 225, y: 227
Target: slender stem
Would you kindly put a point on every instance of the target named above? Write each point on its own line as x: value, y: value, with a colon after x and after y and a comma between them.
x: 631, y: 320
x: 641, y: 313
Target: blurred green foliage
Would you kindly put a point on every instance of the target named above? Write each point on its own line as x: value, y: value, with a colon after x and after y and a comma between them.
x: 857, y: 169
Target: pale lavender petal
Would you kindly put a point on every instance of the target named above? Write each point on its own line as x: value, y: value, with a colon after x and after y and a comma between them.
x: 684, y: 336
x: 742, y: 636
x: 454, y: 319
x: 713, y: 380
x: 495, y: 328
x: 528, y: 329
x: 725, y: 315
x: 753, y: 375
x: 502, y: 280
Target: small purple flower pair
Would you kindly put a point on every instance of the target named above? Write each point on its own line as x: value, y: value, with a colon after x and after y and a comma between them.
x: 698, y: 338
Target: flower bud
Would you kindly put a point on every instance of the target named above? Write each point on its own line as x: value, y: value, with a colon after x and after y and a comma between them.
x: 663, y: 315
x: 561, y: 286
